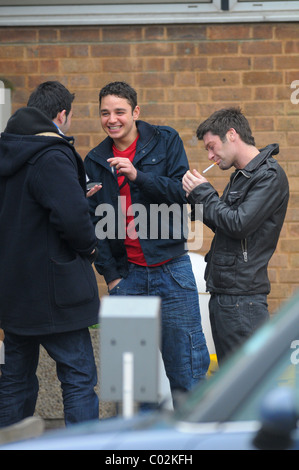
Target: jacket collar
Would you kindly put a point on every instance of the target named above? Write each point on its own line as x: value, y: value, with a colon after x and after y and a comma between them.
x: 256, y: 162
x: 103, y: 151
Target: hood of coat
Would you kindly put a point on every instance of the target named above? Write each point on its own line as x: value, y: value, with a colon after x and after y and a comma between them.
x: 28, y: 132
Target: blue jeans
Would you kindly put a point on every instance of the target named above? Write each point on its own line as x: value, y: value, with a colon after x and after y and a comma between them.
x: 234, y: 318
x: 76, y: 371
x: 184, y: 350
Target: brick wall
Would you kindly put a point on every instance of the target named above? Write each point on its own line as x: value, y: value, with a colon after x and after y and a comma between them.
x: 182, y: 74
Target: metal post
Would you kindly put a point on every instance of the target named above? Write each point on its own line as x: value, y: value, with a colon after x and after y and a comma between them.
x: 128, y: 385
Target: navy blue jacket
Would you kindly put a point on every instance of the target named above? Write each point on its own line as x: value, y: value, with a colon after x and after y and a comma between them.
x: 161, y: 162
x: 47, y: 283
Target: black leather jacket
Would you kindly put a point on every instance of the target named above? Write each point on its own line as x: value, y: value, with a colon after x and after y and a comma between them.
x: 247, y: 220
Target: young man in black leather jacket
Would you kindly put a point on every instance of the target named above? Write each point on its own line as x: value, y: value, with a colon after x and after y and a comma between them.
x: 247, y: 220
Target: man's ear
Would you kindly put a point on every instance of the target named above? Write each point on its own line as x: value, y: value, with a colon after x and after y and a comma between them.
x: 61, y: 117
x: 231, y: 134
x: 136, y: 113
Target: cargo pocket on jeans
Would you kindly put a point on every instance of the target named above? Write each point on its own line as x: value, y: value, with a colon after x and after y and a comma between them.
x: 200, y: 359
x: 182, y: 276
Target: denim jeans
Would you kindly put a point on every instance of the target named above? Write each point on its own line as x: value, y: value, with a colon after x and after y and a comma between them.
x: 76, y: 371
x: 234, y: 318
x: 184, y: 351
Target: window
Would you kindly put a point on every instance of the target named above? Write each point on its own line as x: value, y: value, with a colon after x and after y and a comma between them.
x: 106, y: 12
x: 269, y: 10
x: 264, y: 1
x: 94, y: 2
x: 265, y: 5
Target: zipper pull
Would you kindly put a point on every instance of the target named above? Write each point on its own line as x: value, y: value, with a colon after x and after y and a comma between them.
x: 244, y: 249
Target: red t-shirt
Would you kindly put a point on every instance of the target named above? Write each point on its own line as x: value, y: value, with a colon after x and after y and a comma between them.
x: 132, y: 243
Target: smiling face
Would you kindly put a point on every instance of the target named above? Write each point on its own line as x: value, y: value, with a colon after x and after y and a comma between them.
x: 119, y: 120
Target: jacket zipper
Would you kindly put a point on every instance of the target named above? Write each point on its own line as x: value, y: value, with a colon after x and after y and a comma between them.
x: 244, y: 241
x: 244, y: 249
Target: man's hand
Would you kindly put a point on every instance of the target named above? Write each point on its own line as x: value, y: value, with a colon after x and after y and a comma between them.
x: 113, y: 283
x: 93, y: 190
x: 124, y: 167
x: 191, y: 180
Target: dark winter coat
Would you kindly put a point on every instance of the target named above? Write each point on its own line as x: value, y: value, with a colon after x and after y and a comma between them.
x: 47, y: 283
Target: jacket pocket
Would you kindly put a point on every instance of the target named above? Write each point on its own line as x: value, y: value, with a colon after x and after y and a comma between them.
x: 154, y: 163
x: 234, y: 198
x: 73, y: 282
x: 224, y: 270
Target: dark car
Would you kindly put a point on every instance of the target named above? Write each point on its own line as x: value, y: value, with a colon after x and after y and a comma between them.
x: 251, y: 402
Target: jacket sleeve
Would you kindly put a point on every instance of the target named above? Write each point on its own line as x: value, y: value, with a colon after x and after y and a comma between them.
x: 260, y: 201
x: 56, y: 187
x: 167, y: 188
x: 105, y: 264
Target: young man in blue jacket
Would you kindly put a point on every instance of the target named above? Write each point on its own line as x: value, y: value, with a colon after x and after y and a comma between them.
x: 247, y: 220
x: 48, y: 290
x: 141, y: 167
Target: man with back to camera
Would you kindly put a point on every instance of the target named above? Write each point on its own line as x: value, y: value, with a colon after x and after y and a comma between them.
x: 48, y: 290
x: 247, y: 220
x: 144, y: 164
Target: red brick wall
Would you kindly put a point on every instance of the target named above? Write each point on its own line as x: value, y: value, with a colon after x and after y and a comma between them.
x: 182, y: 74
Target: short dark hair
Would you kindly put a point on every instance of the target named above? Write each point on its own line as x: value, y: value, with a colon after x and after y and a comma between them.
x: 224, y: 119
x: 120, y: 89
x: 51, y: 98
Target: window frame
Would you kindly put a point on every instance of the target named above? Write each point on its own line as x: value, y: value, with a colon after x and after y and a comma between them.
x: 244, y: 6
x: 95, y: 2
x: 151, y: 13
